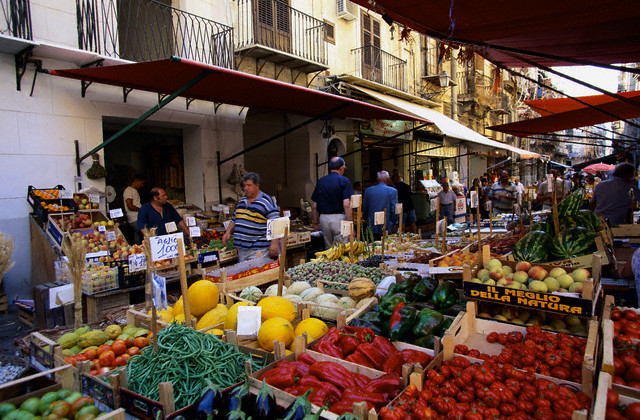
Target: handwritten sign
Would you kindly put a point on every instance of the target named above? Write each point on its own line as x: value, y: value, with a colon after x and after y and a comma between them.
x: 111, y: 236
x: 549, y: 182
x: 170, y: 227
x: 378, y: 218
x: 434, y: 204
x: 473, y: 199
x: 224, y: 208
x: 194, y: 231
x: 165, y: 246
x: 137, y: 262
x: 346, y: 227
x: 159, y: 284
x: 440, y: 224
x: 102, y: 228
x: 249, y: 318
x: 226, y: 224
x: 66, y: 194
x: 94, y: 198
x: 275, y: 227
x: 190, y: 221
x: 399, y: 208
x: 92, y: 256
x: 115, y: 213
x: 356, y: 200
x: 207, y: 257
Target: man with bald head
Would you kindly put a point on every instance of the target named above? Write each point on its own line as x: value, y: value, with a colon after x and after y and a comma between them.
x: 378, y: 198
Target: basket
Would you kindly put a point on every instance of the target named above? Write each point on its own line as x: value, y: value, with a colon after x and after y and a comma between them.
x: 17, y: 366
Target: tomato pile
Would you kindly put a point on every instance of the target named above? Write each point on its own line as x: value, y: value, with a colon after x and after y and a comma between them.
x: 626, y: 325
x: 559, y: 355
x: 617, y: 412
x: 107, y: 357
x: 501, y: 246
x: 461, y: 390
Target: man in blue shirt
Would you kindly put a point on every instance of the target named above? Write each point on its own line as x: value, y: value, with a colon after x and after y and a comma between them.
x: 611, y: 198
x: 249, y: 222
x: 378, y: 198
x: 332, y: 201
x: 161, y: 215
x: 503, y: 194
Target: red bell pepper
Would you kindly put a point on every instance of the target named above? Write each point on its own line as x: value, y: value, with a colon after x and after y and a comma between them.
x: 384, y: 345
x: 376, y: 399
x: 359, y: 359
x: 393, y: 364
x: 301, y: 368
x: 322, y: 398
x: 415, y: 356
x: 361, y: 380
x: 297, y: 390
x: 328, y: 348
x: 306, y: 358
x: 332, y: 336
x: 316, y: 384
x: 375, y: 357
x: 334, y: 374
x: 346, y: 405
x: 280, y: 377
x: 396, y: 316
x: 348, y: 343
x: 363, y: 334
x: 385, y: 384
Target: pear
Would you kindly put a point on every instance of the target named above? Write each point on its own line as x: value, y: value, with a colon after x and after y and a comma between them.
x: 538, y: 286
x: 476, y: 280
x: 558, y: 324
x: 524, y: 316
x: 557, y: 272
x: 565, y: 280
x: 507, y: 271
x: 576, y: 287
x: 500, y: 318
x: 552, y: 284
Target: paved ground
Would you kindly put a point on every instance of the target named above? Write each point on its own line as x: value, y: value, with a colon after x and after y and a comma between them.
x: 10, y: 330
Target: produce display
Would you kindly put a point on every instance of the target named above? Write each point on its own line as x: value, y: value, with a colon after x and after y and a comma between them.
x: 337, y: 274
x: 190, y: 360
x: 458, y: 259
x: 98, y: 277
x: 211, y: 240
x: 532, y: 277
x: 626, y: 325
x: 341, y: 251
x: 501, y: 245
x: 331, y: 384
x: 423, y: 257
x: 615, y: 409
x: 62, y: 404
x: 462, y: 390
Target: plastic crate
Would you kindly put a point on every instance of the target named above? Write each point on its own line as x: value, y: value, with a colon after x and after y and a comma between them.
x: 99, y: 278
x: 62, y: 272
x: 42, y: 206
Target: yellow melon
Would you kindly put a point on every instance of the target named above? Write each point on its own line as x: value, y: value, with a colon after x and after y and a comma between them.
x: 178, y: 308
x: 214, y: 317
x: 179, y: 318
x: 231, y: 321
x: 203, y: 297
x: 314, y: 328
x: 275, y: 328
x: 277, y: 306
x: 215, y: 332
x: 292, y: 346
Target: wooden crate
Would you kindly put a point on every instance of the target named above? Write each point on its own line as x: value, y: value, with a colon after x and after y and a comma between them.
x: 26, y: 316
x: 471, y: 331
x: 600, y: 403
x: 36, y: 384
x: 99, y: 304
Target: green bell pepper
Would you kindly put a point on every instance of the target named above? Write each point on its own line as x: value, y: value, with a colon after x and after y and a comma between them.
x: 371, y: 316
x: 395, y: 288
x: 402, y: 321
x: 443, y: 327
x: 445, y: 295
x: 426, y: 341
x: 410, y: 283
x: 388, y: 303
x: 427, y: 321
x: 424, y: 289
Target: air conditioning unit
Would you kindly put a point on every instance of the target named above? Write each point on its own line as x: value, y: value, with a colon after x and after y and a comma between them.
x: 346, y: 10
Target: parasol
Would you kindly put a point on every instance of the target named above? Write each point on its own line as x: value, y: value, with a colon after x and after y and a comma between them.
x: 598, y: 167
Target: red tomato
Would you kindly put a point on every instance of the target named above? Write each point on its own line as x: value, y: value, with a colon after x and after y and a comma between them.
x: 628, y: 360
x: 106, y: 358
x: 613, y: 414
x: 616, y: 314
x: 631, y: 328
x: 71, y: 360
x: 126, y: 356
x: 618, y: 367
x: 119, y: 361
x: 129, y: 342
x: 90, y: 354
x: 632, y: 411
x: 119, y: 347
x: 103, y: 348
x: 103, y: 370
x: 132, y: 351
x: 629, y: 314
x: 141, y: 342
x: 633, y: 373
x: 618, y: 380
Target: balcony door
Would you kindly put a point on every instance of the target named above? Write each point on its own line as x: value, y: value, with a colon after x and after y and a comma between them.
x: 371, y: 53
x: 272, y: 23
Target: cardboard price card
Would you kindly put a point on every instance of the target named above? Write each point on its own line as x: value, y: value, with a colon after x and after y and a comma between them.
x: 440, y: 226
x: 137, y: 262
x: 346, y: 227
x: 194, y: 231
x: 275, y: 227
x: 550, y: 183
x: 165, y: 246
x: 434, y: 204
x: 378, y: 218
x: 115, y: 213
x: 473, y: 196
x: 356, y: 200
x: 399, y: 208
x: 207, y: 257
x: 190, y: 221
x: 66, y: 194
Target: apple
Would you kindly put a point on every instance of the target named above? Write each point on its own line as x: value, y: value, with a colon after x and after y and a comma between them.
x: 520, y: 276
x: 502, y: 282
x: 493, y: 263
x: 523, y: 266
x: 538, y: 286
x: 84, y: 201
x: 552, y: 284
x: 490, y: 282
x: 537, y: 273
x: 509, y: 312
x: 483, y: 274
x: 496, y: 274
x: 565, y: 281
x: 580, y: 275
x: 476, y: 280
x: 557, y: 272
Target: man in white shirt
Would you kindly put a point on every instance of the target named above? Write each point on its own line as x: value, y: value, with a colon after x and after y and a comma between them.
x: 447, y: 202
x: 132, y: 204
x: 519, y: 186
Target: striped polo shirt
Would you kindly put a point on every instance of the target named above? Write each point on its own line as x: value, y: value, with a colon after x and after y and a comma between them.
x: 250, y: 220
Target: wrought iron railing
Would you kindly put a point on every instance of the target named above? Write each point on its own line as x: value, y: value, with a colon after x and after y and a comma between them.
x: 379, y: 66
x: 144, y: 30
x: 274, y: 24
x: 17, y: 19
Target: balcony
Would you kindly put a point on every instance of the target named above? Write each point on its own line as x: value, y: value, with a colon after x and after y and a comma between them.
x: 376, y: 65
x: 273, y: 31
x: 145, y: 30
x: 17, y: 19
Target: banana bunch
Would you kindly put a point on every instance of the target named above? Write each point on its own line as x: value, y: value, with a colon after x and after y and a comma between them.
x: 358, y: 247
x: 339, y: 251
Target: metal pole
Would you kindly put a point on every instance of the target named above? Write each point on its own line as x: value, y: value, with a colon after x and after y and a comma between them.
x: 219, y: 179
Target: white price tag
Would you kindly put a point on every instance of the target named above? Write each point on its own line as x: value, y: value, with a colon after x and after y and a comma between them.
x: 399, y: 208
x: 275, y: 227
x: 461, y: 206
x: 66, y: 194
x: 434, y: 204
x: 95, y: 255
x: 190, y: 221
x: 94, y: 198
x: 550, y: 182
x: 226, y: 224
x: 194, y: 231
x: 378, y: 218
x: 137, y: 262
x: 249, y: 319
x: 115, y: 213
x: 111, y: 236
x: 440, y: 226
x: 102, y: 229
x: 356, y: 200
x: 165, y: 246
x: 215, y: 207
x: 159, y: 292
x: 286, y: 213
x: 346, y: 227
x: 224, y: 208
x: 170, y: 227
x: 516, y: 209
x: 474, y: 199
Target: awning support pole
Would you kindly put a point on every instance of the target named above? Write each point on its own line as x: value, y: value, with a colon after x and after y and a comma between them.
x: 219, y: 178
x: 147, y: 114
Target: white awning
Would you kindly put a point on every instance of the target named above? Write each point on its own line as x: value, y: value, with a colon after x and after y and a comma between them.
x: 449, y: 127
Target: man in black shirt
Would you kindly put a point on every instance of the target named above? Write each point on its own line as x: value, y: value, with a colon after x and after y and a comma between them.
x: 404, y: 197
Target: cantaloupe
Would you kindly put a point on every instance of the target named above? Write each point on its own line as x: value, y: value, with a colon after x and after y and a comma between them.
x: 251, y: 293
x: 273, y: 290
x: 346, y: 302
x: 311, y: 294
x: 325, y: 298
x: 298, y: 287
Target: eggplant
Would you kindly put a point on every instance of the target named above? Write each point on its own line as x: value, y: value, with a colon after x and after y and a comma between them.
x: 237, y: 414
x: 299, y: 408
x: 347, y: 416
x: 237, y: 396
x: 209, y: 406
x: 264, y: 407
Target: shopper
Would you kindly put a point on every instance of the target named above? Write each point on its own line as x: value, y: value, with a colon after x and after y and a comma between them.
x: 249, y: 222
x: 404, y: 197
x: 545, y: 195
x: 519, y: 187
x: 332, y: 202
x: 611, y: 198
x: 132, y: 205
x: 159, y: 214
x: 503, y: 194
x: 447, y: 200
x: 357, y: 187
x: 378, y: 198
x: 476, y: 186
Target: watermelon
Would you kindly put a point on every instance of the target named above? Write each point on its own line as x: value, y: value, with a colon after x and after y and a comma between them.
x: 571, y: 204
x: 543, y: 226
x: 532, y: 247
x: 571, y: 221
x: 591, y: 218
x: 573, y: 242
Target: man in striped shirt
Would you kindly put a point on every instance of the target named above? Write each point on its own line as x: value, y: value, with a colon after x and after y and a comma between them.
x: 503, y: 194
x: 249, y: 222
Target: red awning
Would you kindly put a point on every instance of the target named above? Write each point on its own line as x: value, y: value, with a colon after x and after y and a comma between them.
x: 230, y: 87
x: 603, y: 31
x: 563, y: 113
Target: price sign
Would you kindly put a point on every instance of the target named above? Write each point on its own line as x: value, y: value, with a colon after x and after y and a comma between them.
x: 286, y: 213
x: 226, y: 224
x: 207, y: 257
x: 111, y: 236
x: 94, y: 198
x: 165, y: 246
x: 225, y: 209
x: 346, y: 227
x: 102, y: 229
x: 95, y: 256
x: 378, y: 218
x: 356, y: 200
x: 461, y: 206
x: 159, y: 292
x: 474, y: 199
x: 215, y: 207
x: 399, y: 208
x: 115, y: 213
x: 137, y: 262
x: 550, y: 182
x: 249, y: 318
x: 170, y: 227
x: 440, y: 224
x: 275, y: 227
x: 66, y: 194
x: 434, y: 204
x: 190, y: 221
x: 194, y: 231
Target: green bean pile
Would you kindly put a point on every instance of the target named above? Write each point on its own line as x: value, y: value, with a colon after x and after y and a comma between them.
x: 187, y: 358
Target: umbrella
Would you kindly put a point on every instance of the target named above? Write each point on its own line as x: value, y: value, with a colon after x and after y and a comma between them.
x: 599, y: 167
